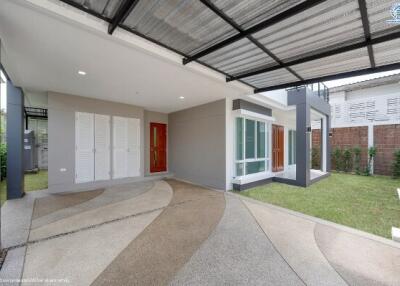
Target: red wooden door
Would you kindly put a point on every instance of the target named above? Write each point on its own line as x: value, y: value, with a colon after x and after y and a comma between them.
x: 158, y: 147
x: 277, y: 148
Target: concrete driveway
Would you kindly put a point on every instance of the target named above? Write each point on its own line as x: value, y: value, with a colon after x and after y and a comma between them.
x: 170, y: 232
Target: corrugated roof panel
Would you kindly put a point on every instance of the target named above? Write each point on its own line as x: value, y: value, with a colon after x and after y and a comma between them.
x: 380, y: 17
x: 237, y: 57
x: 106, y: 8
x: 188, y: 26
x: 272, y: 78
x: 329, y: 24
x: 387, y: 53
x: 185, y: 25
x: 251, y: 12
x: 345, y: 62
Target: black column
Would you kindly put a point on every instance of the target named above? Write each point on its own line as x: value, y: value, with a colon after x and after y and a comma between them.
x: 15, y: 142
x: 303, y: 144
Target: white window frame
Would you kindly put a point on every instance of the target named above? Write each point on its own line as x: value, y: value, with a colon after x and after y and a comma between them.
x: 266, y: 158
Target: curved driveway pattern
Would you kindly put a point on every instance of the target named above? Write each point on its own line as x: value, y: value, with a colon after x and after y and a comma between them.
x: 237, y: 253
x: 174, y: 233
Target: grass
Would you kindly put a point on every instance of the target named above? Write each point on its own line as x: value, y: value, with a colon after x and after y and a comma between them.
x: 33, y: 182
x: 370, y: 204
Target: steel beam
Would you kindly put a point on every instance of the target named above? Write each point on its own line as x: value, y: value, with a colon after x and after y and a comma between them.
x: 331, y: 77
x: 256, y: 28
x: 231, y: 22
x: 367, y: 33
x: 123, y: 11
x: 325, y: 54
x: 83, y: 8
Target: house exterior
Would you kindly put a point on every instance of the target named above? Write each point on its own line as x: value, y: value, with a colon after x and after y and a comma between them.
x: 227, y: 144
x: 367, y: 114
x: 138, y: 90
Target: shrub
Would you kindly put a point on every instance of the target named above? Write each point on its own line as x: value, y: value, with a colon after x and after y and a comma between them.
x: 357, y: 159
x: 316, y: 158
x: 3, y: 160
x: 396, y: 165
x: 337, y: 159
x: 371, y: 156
x: 347, y: 160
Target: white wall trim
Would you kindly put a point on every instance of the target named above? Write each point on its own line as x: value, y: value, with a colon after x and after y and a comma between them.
x: 252, y: 178
x: 371, y: 144
x: 324, y: 143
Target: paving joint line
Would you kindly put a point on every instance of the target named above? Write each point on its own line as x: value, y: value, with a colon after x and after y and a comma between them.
x: 30, y: 242
x: 86, y: 201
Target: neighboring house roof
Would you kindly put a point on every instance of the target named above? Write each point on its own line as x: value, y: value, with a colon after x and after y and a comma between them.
x: 391, y: 79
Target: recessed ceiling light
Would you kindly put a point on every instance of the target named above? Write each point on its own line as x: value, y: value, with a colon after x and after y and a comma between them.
x: 82, y: 72
x: 181, y: 97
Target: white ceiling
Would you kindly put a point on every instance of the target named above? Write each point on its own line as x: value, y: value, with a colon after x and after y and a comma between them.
x: 43, y: 51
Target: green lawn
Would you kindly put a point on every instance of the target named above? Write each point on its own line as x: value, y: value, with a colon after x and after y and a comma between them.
x: 367, y: 203
x: 33, y: 182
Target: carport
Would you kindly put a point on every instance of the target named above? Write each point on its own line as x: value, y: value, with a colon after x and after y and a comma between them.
x: 143, y: 58
x: 261, y: 45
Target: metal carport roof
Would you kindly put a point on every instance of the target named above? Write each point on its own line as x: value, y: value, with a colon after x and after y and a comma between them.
x: 265, y: 44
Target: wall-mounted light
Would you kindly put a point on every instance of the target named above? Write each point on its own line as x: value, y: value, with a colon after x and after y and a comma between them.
x: 308, y: 129
x: 330, y: 134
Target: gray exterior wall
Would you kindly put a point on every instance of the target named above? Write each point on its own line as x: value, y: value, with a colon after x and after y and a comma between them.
x: 157, y: 117
x: 197, y: 144
x: 61, y: 136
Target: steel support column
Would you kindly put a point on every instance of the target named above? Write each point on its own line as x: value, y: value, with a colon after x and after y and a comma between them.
x: 15, y: 142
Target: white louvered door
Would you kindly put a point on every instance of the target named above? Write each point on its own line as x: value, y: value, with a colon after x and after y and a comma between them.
x: 84, y: 147
x: 102, y: 147
x: 120, y: 147
x: 133, y: 147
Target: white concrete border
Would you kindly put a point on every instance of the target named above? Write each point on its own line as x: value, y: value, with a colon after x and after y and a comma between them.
x: 396, y: 234
x: 398, y: 192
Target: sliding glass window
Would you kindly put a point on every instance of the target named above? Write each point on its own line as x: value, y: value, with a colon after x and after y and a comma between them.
x: 251, y: 154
